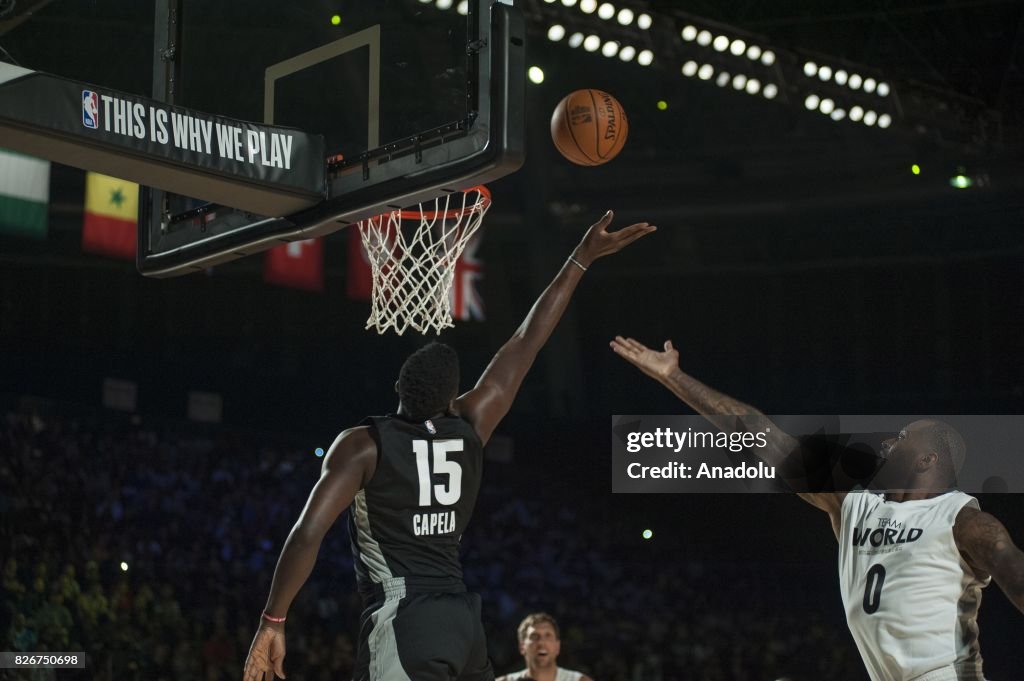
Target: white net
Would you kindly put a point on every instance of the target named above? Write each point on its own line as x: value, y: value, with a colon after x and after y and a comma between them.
x: 413, y: 268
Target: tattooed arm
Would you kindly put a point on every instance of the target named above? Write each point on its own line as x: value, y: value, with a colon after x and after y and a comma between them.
x: 988, y: 549
x: 722, y: 410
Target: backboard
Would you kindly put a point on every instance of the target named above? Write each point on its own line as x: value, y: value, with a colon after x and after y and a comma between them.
x: 413, y: 99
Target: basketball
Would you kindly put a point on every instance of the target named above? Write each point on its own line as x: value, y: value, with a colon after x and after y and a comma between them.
x: 589, y: 127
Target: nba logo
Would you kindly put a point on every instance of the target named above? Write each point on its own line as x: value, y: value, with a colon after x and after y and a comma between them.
x: 90, y: 109
x: 430, y: 427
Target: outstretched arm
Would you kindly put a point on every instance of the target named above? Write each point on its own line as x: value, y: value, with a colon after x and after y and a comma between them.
x: 487, y: 403
x: 349, y: 464
x: 721, y: 410
x: 988, y: 548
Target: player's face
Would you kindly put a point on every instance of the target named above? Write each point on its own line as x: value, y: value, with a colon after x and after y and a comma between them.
x: 541, y: 646
x: 900, y: 454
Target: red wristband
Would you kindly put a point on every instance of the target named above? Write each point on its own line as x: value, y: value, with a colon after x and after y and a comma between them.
x: 270, y: 618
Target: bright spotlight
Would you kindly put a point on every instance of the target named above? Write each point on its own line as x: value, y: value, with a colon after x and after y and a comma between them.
x: 737, y: 47
x: 610, y: 48
x: 647, y: 534
x: 645, y: 58
x: 592, y: 43
x: 721, y: 43
x: 825, y: 72
x: 884, y: 121
x: 739, y: 81
x: 870, y: 117
x: 643, y: 22
x: 838, y: 114
x: 124, y: 566
x: 810, y: 68
x: 463, y: 8
x: 690, y: 69
x: 883, y: 89
x: 753, y: 52
x: 556, y: 33
x: 753, y: 86
x: 705, y: 72
x: 576, y: 39
x: 768, y: 58
x: 826, y: 106
x: 723, y: 79
x: 536, y: 75
x: 841, y: 77
x: 704, y: 38
x: 855, y: 81
x: 625, y: 16
x: 606, y: 11
x: 568, y: 3
x: 771, y: 90
x: 444, y: 4
x: 812, y: 102
x: 856, y: 113
x: 689, y: 33
x: 627, y: 53
x: 869, y: 85
x: 588, y: 6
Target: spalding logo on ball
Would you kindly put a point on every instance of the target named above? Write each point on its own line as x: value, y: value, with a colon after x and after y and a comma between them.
x: 589, y: 127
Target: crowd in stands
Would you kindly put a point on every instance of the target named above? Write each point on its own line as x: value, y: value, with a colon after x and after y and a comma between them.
x: 152, y: 548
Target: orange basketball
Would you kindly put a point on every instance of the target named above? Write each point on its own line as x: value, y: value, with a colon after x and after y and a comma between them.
x: 589, y: 127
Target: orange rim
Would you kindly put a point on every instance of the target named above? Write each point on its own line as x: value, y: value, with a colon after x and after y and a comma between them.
x: 451, y: 213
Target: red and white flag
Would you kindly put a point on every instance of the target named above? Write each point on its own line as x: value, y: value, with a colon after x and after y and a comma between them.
x: 469, y: 270
x: 299, y: 264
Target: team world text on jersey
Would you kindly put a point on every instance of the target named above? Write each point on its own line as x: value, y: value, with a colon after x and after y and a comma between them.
x: 408, y: 519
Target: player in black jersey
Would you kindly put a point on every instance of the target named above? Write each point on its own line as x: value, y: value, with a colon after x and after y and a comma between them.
x: 410, y: 481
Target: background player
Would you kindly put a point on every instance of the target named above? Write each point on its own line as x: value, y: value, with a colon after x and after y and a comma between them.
x: 540, y: 642
x: 912, y: 561
x: 412, y: 480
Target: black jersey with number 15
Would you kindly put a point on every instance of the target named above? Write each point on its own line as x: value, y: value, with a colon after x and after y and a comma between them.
x: 408, y: 519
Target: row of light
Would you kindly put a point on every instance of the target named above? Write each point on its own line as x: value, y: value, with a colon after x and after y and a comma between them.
x: 607, y: 11
x: 462, y: 8
x: 854, y: 81
x: 721, y: 43
x: 739, y: 81
x: 857, y: 114
x: 609, y: 48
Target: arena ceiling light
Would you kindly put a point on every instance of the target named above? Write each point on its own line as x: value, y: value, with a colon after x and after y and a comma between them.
x: 771, y: 91
x: 606, y: 11
x: 721, y: 43
x: 625, y: 16
x: 824, y: 72
x: 536, y: 75
x: 827, y: 106
x: 591, y: 43
x: 812, y: 101
x: 739, y: 81
x: 753, y: 86
x: 689, y: 33
x: 444, y: 4
x: 627, y: 53
x: 705, y: 72
x: 810, y: 68
x: 883, y: 89
x: 556, y: 33
x: 645, y: 58
x: 767, y: 57
x: 588, y: 6
x: 690, y: 69
x: 753, y: 53
x: 610, y: 49
x: 856, y: 114
x: 704, y: 38
x: 576, y: 39
x: 884, y: 121
x: 838, y: 115
x: 737, y: 47
x: 723, y: 79
x: 569, y: 3
x: 644, y: 22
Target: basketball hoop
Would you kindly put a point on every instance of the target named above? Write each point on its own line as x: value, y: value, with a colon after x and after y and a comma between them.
x: 413, y: 268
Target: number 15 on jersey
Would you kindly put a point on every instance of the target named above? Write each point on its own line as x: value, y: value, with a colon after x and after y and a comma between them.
x: 432, y: 457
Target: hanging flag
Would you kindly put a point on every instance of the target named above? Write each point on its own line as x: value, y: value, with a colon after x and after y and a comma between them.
x: 24, y: 194
x: 299, y: 264
x: 469, y: 270
x: 111, y: 216
x: 358, y: 275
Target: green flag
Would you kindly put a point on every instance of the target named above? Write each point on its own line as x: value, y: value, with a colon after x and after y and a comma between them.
x: 24, y: 194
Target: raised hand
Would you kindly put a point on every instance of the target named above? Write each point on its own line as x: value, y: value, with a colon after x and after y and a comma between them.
x: 657, y: 365
x: 266, y: 656
x: 599, y: 242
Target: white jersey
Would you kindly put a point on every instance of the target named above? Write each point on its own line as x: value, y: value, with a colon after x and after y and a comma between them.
x: 560, y: 675
x: 911, y: 601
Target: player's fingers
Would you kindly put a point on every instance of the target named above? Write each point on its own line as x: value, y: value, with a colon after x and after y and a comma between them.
x: 627, y: 232
x: 605, y: 220
x: 668, y: 346
x: 623, y: 350
x: 642, y: 233
x: 636, y: 345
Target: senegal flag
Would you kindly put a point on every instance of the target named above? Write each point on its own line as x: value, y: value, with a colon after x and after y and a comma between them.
x: 111, y: 216
x: 24, y: 194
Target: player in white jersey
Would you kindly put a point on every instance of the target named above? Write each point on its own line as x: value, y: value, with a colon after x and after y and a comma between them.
x: 912, y: 561
x: 539, y: 643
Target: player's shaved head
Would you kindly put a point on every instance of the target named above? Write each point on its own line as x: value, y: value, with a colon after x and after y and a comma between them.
x: 947, y: 444
x: 429, y: 380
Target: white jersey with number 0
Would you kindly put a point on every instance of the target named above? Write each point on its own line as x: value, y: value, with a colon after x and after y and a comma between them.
x: 911, y: 601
